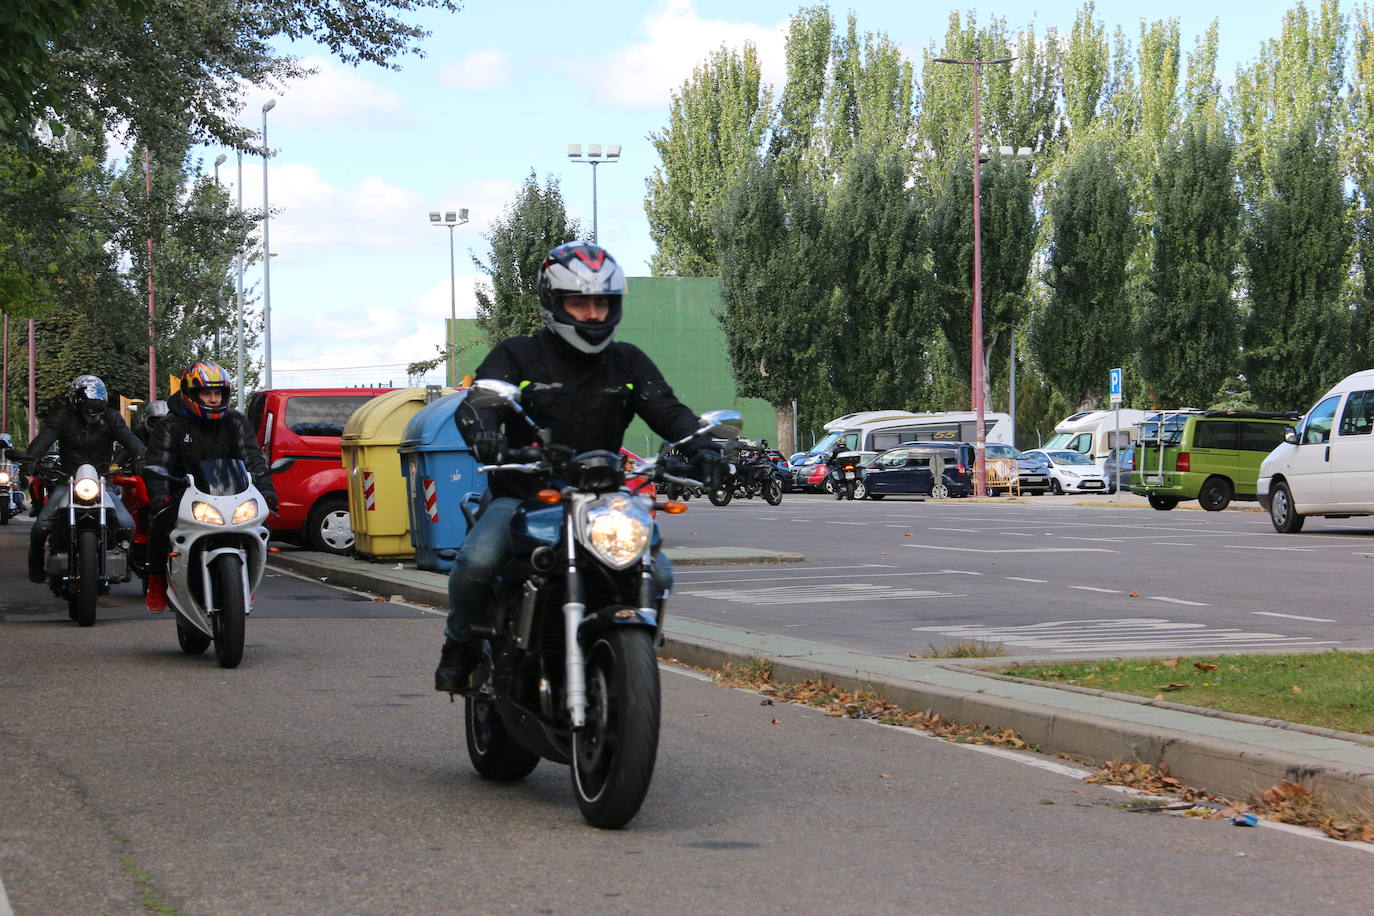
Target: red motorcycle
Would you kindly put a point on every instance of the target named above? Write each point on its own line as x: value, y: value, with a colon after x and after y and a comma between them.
x: 133, y: 492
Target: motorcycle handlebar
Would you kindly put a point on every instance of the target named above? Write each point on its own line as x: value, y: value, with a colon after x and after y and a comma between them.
x: 532, y: 467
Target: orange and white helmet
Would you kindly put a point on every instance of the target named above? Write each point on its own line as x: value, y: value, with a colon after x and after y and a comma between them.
x: 205, y: 375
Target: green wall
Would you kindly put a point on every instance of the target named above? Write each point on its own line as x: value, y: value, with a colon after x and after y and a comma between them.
x: 672, y: 319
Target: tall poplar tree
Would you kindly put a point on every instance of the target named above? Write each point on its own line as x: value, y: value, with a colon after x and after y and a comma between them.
x: 1297, y: 337
x: 1190, y: 324
x: 1083, y: 330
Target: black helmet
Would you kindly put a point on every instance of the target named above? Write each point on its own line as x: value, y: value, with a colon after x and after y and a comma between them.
x: 580, y: 269
x: 89, y: 398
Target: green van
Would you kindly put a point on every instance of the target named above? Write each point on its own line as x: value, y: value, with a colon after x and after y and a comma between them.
x: 1212, y: 456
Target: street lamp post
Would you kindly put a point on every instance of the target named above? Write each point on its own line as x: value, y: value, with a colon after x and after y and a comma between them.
x: 219, y: 161
x: 238, y: 372
x: 450, y: 220
x: 266, y: 254
x: 593, y: 158
x: 980, y: 485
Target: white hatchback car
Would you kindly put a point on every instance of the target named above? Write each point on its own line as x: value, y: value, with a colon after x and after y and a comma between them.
x: 1072, y: 472
x: 1326, y: 465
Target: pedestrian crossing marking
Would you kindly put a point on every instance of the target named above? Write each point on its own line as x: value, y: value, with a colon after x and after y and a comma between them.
x: 1121, y: 634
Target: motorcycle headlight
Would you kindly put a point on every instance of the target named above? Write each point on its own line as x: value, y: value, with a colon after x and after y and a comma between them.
x: 246, y: 512
x: 206, y: 514
x: 616, y: 530
x: 86, y: 488
x: 4, y: 477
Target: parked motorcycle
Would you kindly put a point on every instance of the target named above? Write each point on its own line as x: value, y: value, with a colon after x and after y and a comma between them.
x: 846, y: 475
x: 752, y: 473
x: 219, y: 552
x: 86, y: 549
x: 569, y: 672
x: 11, y: 495
x: 133, y: 492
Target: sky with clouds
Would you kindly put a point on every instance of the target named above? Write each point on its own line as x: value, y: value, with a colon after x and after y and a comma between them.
x: 360, y: 280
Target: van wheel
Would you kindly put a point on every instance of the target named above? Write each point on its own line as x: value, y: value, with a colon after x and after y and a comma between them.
x: 1215, y: 494
x: 1282, y: 513
x: 1162, y: 503
x: 329, y: 527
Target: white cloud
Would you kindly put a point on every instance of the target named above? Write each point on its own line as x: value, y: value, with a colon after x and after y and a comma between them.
x: 677, y: 40
x: 334, y: 96
x: 482, y: 70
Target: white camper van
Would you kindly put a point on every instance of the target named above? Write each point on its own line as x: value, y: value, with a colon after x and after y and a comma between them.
x: 1326, y: 465
x: 880, y: 430
x: 1095, y: 433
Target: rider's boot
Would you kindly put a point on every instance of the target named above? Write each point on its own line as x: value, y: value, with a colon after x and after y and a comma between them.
x: 157, y: 593
x: 36, y: 571
x: 457, y: 662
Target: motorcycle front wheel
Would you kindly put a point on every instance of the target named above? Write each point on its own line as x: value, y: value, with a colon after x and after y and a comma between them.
x: 722, y: 496
x: 492, y: 751
x: 772, y: 492
x: 87, y: 588
x: 613, y: 754
x: 228, y: 621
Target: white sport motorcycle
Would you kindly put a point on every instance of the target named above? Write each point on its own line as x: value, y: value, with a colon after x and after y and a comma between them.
x: 218, y: 554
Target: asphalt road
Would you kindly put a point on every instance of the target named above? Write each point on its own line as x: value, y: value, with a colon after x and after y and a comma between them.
x: 323, y: 776
x: 1044, y: 578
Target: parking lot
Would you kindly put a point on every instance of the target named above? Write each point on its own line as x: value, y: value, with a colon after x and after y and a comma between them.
x: 1044, y: 577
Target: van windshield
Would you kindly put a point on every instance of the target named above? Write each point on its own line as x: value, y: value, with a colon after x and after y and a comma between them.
x: 827, y: 445
x: 1068, y: 457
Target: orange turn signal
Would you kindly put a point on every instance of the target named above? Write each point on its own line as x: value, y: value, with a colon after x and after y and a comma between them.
x: 673, y: 507
x: 549, y: 496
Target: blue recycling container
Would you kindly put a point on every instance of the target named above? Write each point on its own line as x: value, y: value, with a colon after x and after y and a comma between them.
x: 439, y: 470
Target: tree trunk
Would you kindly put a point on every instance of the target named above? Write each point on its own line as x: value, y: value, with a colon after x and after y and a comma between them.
x: 787, y: 427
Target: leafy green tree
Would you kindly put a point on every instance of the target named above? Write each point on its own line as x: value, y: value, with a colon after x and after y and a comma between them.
x: 1297, y: 338
x: 716, y: 125
x: 1083, y: 330
x: 1086, y: 69
x: 534, y: 224
x: 1008, y: 240
x: 875, y: 234
x: 869, y: 101
x: 795, y: 143
x: 1190, y: 329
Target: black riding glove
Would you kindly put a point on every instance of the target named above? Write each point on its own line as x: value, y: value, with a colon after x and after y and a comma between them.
x: 271, y: 499
x: 489, y: 447
x: 711, y: 467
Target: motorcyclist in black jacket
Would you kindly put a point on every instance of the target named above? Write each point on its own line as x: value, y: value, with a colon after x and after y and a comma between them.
x: 584, y: 389
x: 85, y: 430
x: 199, y: 426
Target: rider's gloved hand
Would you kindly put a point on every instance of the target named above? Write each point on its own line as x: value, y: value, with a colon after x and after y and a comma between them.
x: 489, y: 447
x: 271, y: 500
x: 710, y: 466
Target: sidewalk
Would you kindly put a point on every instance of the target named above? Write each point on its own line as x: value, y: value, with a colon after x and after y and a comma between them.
x: 1227, y: 754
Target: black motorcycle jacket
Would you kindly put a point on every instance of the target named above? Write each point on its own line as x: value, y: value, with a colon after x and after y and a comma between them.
x: 181, y: 440
x: 80, y: 442
x: 585, y: 400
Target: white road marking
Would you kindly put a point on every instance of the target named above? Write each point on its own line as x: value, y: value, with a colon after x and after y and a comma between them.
x: 1257, y: 547
x: 1022, y: 579
x: 814, y: 594
x: 963, y: 530
x: 1293, y: 616
x: 1089, y: 588
x: 1172, y: 544
x: 1016, y: 549
x: 712, y: 572
x: 1179, y: 601
x: 933, y: 572
x: 860, y: 524
x: 1119, y: 635
x: 5, y: 909
x: 1073, y: 537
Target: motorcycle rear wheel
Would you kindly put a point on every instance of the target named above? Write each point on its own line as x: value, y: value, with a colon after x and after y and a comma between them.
x: 772, y: 492
x: 191, y: 640
x: 228, y: 621
x: 492, y: 751
x: 87, y: 587
x: 722, y: 496
x: 613, y: 754
x: 4, y: 509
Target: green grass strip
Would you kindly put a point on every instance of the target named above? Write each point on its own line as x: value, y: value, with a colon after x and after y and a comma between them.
x: 153, y: 900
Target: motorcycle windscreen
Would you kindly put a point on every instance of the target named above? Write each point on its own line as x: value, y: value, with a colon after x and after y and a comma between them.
x: 221, y: 477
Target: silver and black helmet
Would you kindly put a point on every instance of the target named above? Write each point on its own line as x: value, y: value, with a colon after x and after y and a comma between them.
x: 581, y: 269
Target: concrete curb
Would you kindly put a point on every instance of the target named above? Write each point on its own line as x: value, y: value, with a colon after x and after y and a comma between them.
x: 1235, y: 759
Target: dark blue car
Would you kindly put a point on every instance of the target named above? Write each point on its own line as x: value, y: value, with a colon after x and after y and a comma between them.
x: 925, y: 469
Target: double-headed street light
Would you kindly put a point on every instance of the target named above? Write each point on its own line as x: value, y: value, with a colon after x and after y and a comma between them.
x: 450, y: 220
x: 980, y: 485
x: 266, y: 254
x: 593, y: 158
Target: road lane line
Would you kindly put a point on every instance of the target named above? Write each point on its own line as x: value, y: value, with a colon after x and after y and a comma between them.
x: 1257, y: 547
x: 710, y: 572
x: 931, y: 572
x: 1023, y: 579
x: 1089, y: 588
x: 1016, y: 549
x: 1293, y: 616
x: 1179, y: 601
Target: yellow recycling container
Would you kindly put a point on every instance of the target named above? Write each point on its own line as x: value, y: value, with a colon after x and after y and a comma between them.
x: 377, y: 504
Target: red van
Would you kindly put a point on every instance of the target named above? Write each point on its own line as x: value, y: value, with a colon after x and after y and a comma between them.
x: 305, y: 424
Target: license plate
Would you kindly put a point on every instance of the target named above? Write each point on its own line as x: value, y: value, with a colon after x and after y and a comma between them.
x: 1154, y: 479
x: 1092, y: 484
x: 848, y: 475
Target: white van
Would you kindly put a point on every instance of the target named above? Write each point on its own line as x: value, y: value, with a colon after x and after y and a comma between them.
x: 880, y: 430
x: 1095, y: 432
x: 1326, y: 465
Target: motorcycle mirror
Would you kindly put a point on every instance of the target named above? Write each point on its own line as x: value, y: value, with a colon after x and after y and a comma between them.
x: 281, y: 464
x: 722, y: 424
x: 490, y: 392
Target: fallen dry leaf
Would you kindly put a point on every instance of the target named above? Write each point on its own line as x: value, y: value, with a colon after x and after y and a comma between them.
x: 908, y: 534
x: 884, y: 553
x: 765, y: 702
x: 1171, y: 663
x: 1201, y: 666
x: 885, y: 775
x: 1297, y: 689
x: 1133, y: 595
x: 1159, y: 696
x: 1171, y: 686
x: 777, y: 721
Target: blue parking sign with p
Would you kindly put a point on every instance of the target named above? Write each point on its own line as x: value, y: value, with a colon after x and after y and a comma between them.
x: 1114, y: 385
